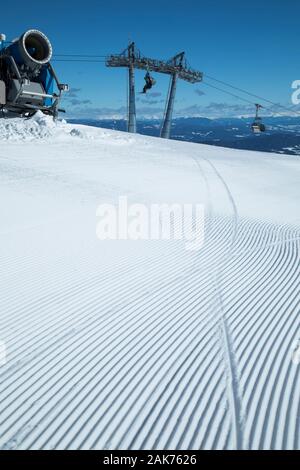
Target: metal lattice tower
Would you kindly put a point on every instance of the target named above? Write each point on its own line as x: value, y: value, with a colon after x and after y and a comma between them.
x: 176, y: 67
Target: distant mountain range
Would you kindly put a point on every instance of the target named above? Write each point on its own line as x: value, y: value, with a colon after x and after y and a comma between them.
x: 282, y: 134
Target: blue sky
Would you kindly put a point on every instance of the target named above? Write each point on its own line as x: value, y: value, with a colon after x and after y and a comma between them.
x: 254, y: 45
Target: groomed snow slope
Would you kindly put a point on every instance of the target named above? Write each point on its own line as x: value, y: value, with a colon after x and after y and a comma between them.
x: 143, y: 344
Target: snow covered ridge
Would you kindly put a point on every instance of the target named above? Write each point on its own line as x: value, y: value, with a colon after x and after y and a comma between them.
x: 43, y: 128
x: 36, y: 128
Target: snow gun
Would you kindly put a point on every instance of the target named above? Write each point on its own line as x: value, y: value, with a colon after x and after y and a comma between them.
x: 28, y: 82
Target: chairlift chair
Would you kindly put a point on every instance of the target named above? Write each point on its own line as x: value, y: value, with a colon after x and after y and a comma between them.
x: 257, y: 125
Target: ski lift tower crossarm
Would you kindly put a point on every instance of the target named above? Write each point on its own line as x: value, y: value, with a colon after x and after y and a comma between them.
x: 176, y: 67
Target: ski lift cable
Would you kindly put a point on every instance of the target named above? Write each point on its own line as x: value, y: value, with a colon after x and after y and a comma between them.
x: 80, y: 60
x: 254, y: 95
x: 247, y: 101
x: 87, y: 58
x: 80, y: 55
x: 228, y: 93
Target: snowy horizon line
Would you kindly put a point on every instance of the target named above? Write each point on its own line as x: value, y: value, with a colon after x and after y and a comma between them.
x: 157, y: 117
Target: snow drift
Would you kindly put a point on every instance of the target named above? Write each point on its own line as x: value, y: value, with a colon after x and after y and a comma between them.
x: 122, y: 344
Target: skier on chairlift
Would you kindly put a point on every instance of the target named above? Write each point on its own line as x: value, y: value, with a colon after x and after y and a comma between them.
x: 150, y: 82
